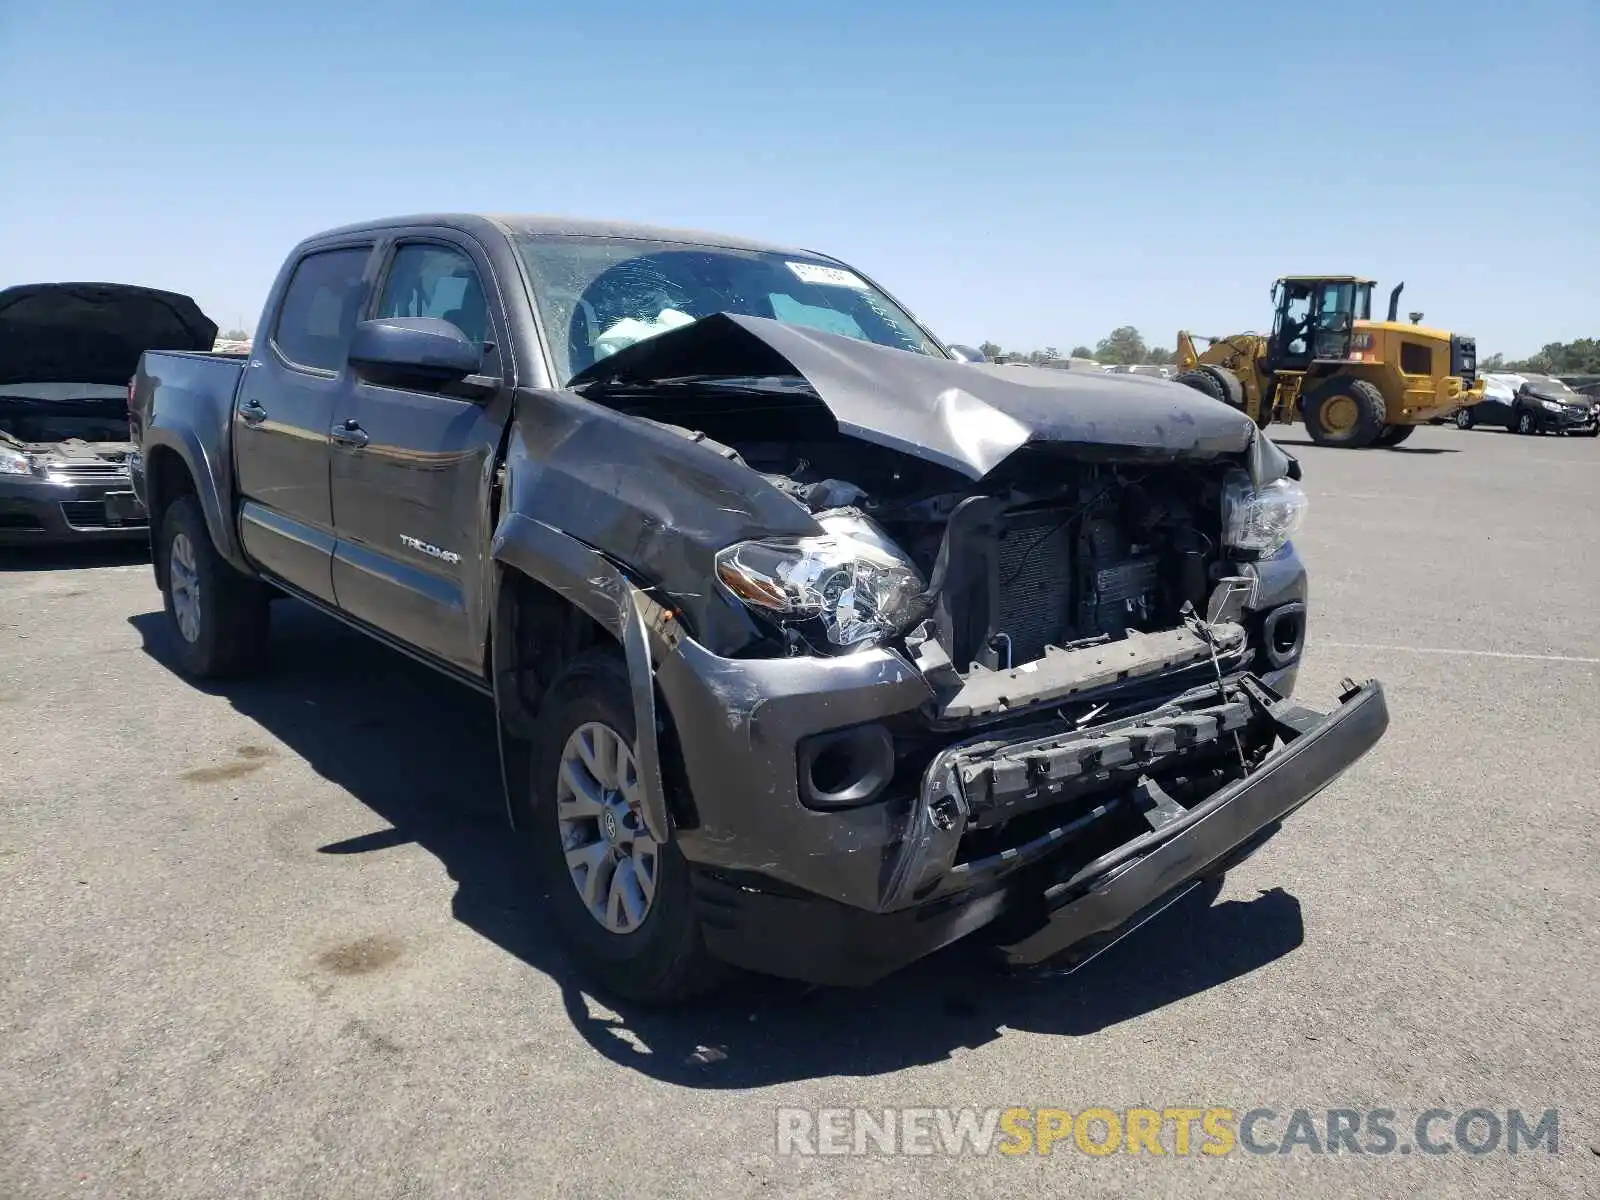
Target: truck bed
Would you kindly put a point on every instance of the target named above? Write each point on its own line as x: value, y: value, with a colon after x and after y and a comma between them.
x: 186, y: 396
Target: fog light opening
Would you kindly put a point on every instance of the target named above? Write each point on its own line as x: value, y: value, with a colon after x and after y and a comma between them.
x: 1284, y: 633
x: 846, y: 768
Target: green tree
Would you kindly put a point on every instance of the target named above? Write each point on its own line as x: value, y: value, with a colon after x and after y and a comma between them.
x: 1161, y: 357
x: 235, y: 335
x: 1082, y: 352
x: 1495, y: 362
x: 991, y: 350
x: 1122, y: 345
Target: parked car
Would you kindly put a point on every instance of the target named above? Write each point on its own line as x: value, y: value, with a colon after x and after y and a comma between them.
x: 67, y: 354
x: 1532, y: 404
x: 812, y: 648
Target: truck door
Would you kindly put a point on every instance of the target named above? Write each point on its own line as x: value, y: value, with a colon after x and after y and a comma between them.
x: 282, y: 413
x: 410, y: 469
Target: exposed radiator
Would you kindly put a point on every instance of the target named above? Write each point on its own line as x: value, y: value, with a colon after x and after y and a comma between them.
x: 1035, y: 565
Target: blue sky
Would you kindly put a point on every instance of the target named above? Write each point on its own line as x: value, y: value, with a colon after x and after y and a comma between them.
x: 1034, y: 173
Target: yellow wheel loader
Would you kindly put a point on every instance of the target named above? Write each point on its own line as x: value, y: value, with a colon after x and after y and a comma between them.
x: 1353, y: 381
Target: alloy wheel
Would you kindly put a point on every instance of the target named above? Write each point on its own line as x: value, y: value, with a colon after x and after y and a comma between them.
x: 183, y: 579
x: 611, y: 858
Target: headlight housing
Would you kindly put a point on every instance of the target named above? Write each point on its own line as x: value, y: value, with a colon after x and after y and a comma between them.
x: 14, y: 462
x: 1551, y: 405
x: 1261, y: 519
x: 845, y: 589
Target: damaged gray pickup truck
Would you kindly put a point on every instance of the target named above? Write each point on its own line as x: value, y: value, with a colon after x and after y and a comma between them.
x: 813, y: 647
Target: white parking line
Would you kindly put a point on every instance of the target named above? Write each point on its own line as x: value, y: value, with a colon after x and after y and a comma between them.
x: 1565, y: 658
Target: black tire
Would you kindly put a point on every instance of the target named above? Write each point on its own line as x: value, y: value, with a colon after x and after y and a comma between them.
x: 1205, y: 381
x: 1464, y: 418
x: 231, y: 612
x: 1595, y: 432
x: 1526, y: 422
x: 1393, y: 435
x: 1368, y: 423
x: 663, y: 959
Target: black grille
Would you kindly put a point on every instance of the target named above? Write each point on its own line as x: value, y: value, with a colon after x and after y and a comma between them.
x: 84, y: 514
x: 1464, y: 358
x: 20, y: 521
x: 1035, y: 568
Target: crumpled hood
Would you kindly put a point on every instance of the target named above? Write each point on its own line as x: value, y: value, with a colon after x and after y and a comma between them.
x: 92, y: 332
x: 966, y: 416
x: 1546, y: 392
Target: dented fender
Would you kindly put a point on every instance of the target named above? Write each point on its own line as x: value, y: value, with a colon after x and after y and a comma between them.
x: 593, y: 583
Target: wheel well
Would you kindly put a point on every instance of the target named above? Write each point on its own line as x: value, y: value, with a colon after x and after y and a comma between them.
x: 166, y: 478
x: 544, y: 632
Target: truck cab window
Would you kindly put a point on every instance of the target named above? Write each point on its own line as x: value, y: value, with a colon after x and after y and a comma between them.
x: 428, y: 280
x: 319, y: 308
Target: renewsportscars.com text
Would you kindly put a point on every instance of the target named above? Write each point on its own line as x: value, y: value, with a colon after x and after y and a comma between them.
x: 1179, y: 1130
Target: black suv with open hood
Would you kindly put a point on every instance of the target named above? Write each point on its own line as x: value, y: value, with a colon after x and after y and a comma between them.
x: 813, y: 648
x: 67, y: 354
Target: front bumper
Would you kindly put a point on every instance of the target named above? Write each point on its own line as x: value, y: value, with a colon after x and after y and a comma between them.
x: 1040, y: 900
x: 1567, y: 420
x: 38, y: 510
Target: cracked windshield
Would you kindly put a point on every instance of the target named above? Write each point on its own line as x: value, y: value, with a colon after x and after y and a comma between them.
x: 600, y: 295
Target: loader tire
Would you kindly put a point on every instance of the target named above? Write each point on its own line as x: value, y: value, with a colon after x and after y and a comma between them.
x: 1348, y: 413
x: 1216, y: 382
x: 1393, y: 435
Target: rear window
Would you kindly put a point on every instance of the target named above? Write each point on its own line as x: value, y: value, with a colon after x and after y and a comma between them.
x: 320, y: 307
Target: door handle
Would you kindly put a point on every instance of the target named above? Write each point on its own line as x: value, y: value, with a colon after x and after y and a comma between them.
x: 349, y: 433
x: 252, y: 412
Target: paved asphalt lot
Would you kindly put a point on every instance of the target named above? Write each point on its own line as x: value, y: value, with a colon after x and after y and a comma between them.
x: 270, y: 939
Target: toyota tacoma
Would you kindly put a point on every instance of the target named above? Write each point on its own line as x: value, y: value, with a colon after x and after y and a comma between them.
x: 814, y: 646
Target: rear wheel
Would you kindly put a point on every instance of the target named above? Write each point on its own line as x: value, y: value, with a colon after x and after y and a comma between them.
x: 1345, y: 412
x: 1393, y: 435
x: 1464, y: 418
x: 621, y: 901
x: 219, y: 616
x: 1527, y: 423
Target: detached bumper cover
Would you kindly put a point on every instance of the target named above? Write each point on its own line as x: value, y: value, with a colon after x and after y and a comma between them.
x: 1111, y: 895
x: 1052, y: 907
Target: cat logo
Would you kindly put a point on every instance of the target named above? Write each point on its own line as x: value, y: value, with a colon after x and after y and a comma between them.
x: 449, y: 556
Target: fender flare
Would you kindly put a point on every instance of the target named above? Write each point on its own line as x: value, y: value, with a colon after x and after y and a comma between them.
x: 596, y: 585
x: 209, y: 483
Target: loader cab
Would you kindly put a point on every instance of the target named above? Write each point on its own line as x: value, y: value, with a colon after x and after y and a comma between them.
x: 1313, y: 317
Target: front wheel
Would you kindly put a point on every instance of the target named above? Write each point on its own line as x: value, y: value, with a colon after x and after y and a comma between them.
x: 220, y: 617
x: 621, y: 901
x: 1463, y: 418
x: 1527, y: 423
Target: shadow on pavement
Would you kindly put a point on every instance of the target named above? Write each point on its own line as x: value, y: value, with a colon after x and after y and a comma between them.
x: 84, y: 557
x: 419, y: 751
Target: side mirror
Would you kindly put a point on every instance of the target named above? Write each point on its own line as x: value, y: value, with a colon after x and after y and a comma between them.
x: 422, y: 352
x: 967, y: 354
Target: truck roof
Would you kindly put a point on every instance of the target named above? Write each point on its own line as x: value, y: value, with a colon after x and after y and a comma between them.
x: 1329, y: 278
x: 528, y: 224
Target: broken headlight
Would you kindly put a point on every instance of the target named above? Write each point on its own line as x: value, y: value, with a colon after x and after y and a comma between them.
x: 845, y: 589
x: 1261, y: 519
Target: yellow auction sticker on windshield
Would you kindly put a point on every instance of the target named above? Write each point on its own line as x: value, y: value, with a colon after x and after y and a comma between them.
x: 827, y: 276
